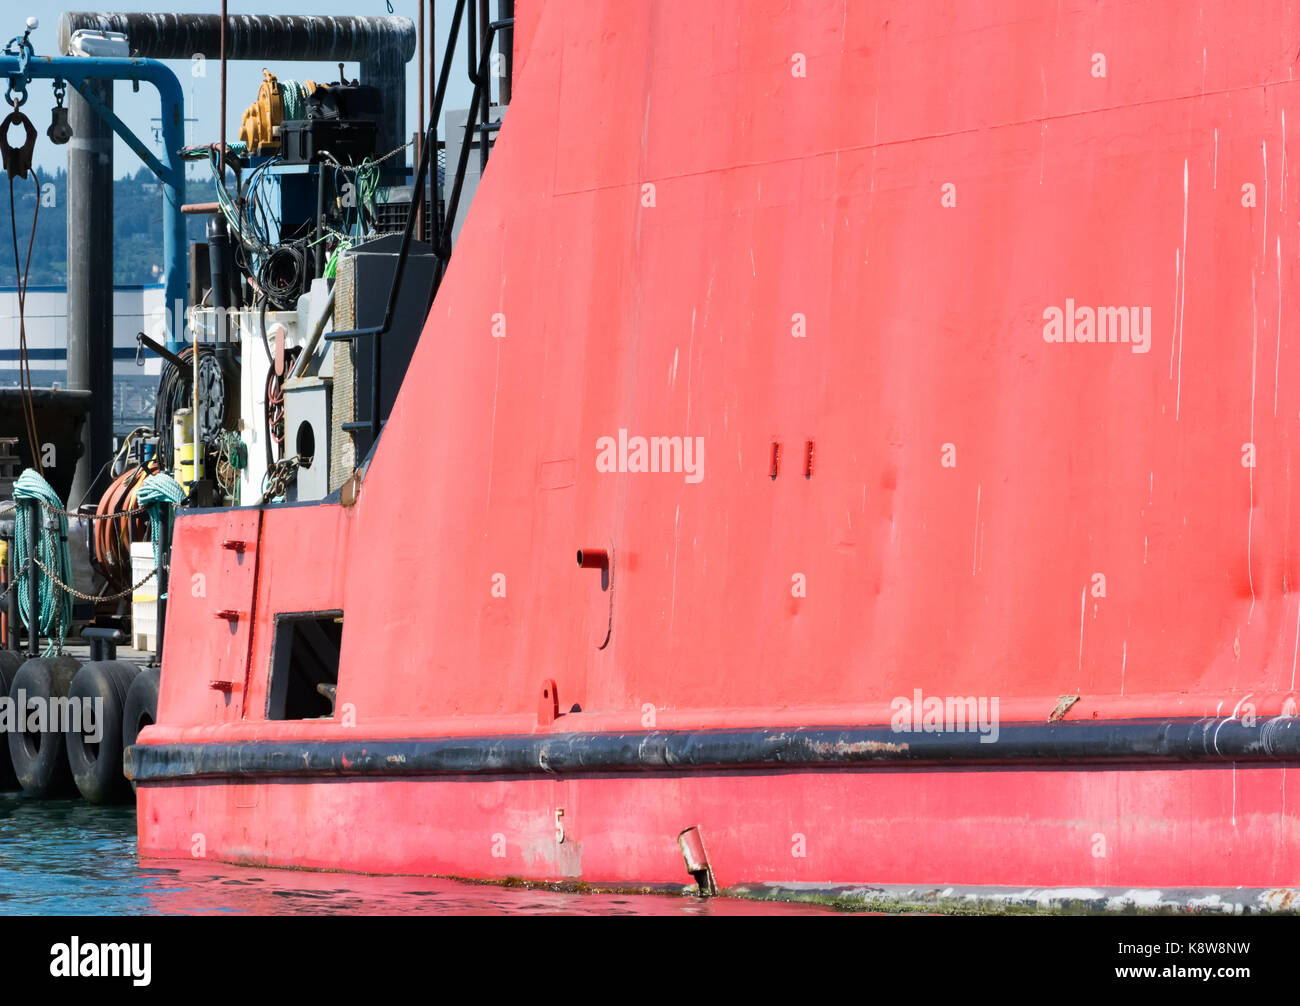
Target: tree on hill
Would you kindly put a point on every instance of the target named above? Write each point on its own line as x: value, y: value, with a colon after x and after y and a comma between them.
x: 137, y: 228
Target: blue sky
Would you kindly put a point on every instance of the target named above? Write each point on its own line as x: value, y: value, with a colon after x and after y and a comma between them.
x: 202, y: 94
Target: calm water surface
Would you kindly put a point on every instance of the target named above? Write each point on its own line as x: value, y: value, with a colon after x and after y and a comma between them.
x: 66, y: 857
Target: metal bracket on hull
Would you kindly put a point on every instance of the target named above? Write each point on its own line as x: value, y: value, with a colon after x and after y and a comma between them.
x: 548, y: 704
x: 696, y: 856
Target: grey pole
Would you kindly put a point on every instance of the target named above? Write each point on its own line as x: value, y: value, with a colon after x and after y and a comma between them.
x: 90, y: 280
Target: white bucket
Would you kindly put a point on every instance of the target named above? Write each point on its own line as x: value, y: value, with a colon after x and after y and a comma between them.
x: 144, y: 602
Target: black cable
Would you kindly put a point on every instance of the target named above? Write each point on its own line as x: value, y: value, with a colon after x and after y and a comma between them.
x: 93, y: 482
x: 176, y: 392
x: 274, y: 411
x: 283, y: 274
x: 262, y: 325
x: 171, y: 396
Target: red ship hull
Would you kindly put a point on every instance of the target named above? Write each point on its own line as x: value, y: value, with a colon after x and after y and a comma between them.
x: 831, y: 242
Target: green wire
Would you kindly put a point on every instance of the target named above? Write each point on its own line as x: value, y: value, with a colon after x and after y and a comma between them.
x: 332, y: 265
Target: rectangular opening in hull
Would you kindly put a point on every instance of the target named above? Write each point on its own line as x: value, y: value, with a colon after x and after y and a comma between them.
x: 304, y: 665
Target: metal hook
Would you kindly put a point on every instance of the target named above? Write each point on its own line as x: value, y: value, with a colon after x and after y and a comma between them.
x: 17, y: 160
x: 17, y: 103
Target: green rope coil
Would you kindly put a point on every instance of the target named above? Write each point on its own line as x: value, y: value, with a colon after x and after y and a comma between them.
x: 293, y: 97
x: 55, y: 615
x: 160, y: 495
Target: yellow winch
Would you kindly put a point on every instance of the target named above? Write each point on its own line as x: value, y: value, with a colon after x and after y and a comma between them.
x: 260, y: 128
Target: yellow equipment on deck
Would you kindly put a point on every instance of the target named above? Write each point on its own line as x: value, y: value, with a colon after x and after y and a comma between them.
x: 260, y: 129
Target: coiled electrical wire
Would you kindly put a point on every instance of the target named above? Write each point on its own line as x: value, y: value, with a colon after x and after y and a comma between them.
x: 175, y: 392
x: 282, y: 275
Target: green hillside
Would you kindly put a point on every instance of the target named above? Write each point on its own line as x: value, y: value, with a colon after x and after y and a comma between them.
x: 137, y: 215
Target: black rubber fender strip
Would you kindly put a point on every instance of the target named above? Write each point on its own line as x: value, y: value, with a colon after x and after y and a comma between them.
x: 1136, y: 742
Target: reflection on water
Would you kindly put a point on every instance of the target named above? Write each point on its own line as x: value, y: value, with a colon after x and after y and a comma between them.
x: 66, y: 857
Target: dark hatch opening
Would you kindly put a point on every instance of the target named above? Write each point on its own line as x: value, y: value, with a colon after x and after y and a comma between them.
x: 304, y: 665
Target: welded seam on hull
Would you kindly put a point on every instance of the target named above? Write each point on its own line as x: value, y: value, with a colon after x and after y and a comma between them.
x: 1115, y: 742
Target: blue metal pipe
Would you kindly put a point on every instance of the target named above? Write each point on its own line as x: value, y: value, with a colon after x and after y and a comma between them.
x: 78, y: 71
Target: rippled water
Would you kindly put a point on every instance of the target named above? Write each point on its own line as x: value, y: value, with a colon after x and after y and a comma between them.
x: 66, y: 857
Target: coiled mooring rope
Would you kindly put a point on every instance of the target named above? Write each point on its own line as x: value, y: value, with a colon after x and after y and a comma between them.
x: 55, y: 614
x: 160, y: 495
x: 293, y: 97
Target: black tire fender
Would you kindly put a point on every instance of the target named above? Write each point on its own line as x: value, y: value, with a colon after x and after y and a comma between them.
x: 40, y: 758
x: 141, y: 706
x: 95, y: 750
x: 10, y: 661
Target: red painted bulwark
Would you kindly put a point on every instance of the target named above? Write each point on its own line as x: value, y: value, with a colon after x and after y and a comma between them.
x: 844, y: 224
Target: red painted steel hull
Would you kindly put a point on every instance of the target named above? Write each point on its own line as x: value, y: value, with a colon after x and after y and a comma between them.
x: 1041, y: 827
x: 970, y: 479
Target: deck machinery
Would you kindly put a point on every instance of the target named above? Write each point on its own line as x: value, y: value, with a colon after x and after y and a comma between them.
x: 309, y: 233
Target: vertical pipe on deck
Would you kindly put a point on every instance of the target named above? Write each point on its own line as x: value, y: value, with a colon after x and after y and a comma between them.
x: 387, y: 71
x: 430, y: 176
x: 225, y: 16
x: 322, y: 186
x: 90, y: 285
x: 12, y: 595
x: 419, y: 115
x: 505, y: 12
x: 485, y: 104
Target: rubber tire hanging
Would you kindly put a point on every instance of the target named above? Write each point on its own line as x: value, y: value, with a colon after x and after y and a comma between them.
x: 97, y: 767
x: 40, y: 761
x: 141, y: 706
x: 10, y: 661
